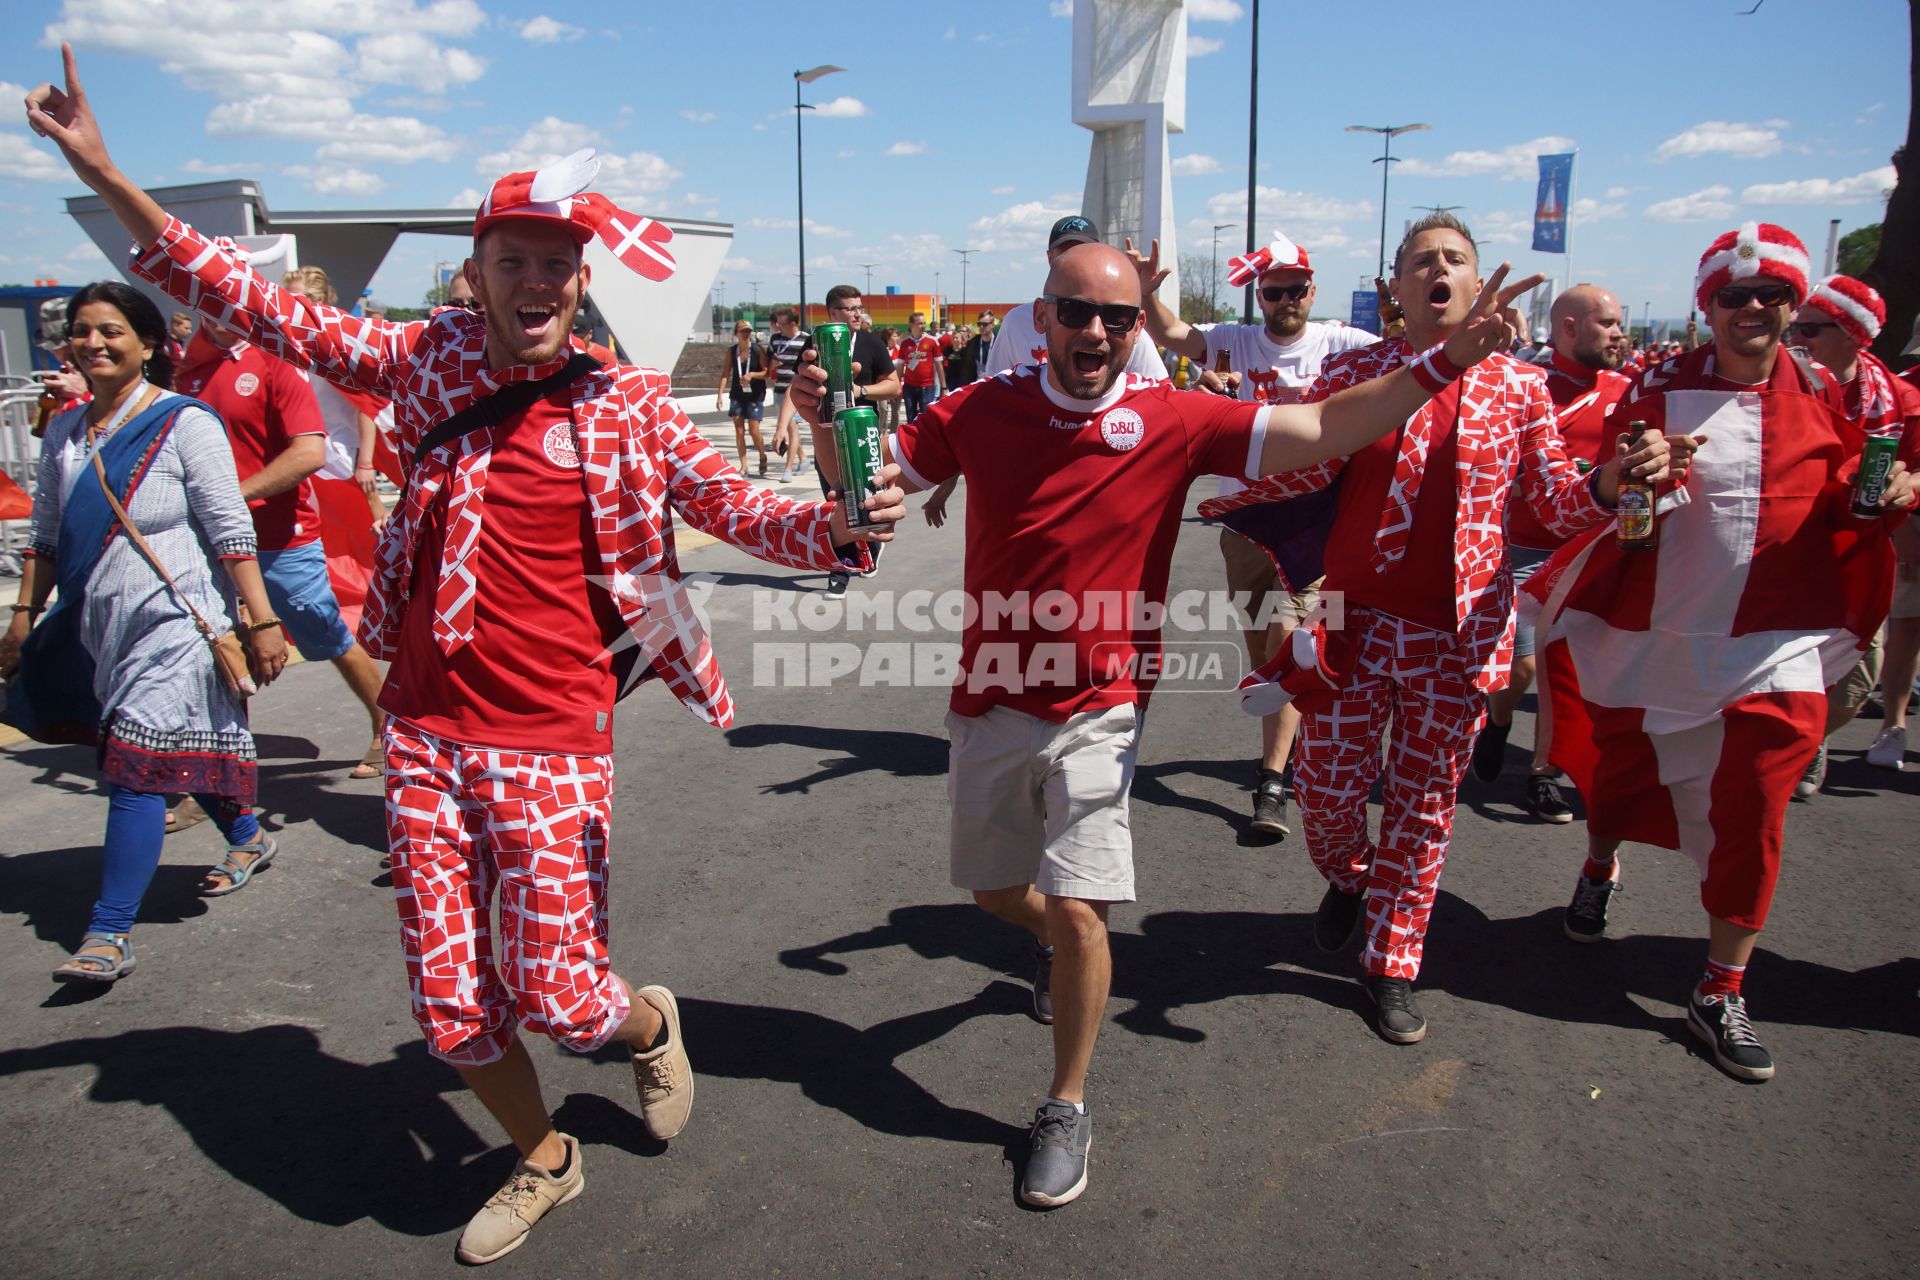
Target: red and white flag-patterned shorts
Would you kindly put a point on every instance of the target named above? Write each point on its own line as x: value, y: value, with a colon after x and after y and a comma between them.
x: 463, y: 821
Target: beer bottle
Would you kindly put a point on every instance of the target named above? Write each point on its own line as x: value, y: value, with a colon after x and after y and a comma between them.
x: 1634, y: 526
x: 1223, y: 363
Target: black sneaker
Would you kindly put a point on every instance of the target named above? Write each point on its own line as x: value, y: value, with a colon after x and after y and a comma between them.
x: 1043, y: 984
x: 1586, y: 918
x: 1544, y: 800
x: 1490, y: 751
x: 1399, y: 1019
x: 1057, y: 1163
x: 1722, y: 1022
x: 1270, y: 809
x: 1338, y: 919
x: 837, y: 585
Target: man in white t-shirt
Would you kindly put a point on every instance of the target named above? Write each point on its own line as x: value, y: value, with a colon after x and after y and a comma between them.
x: 1276, y: 361
x: 1020, y: 340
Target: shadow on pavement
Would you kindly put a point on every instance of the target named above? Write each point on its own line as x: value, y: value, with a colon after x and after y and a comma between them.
x: 901, y: 754
x: 73, y: 769
x: 840, y: 1066
x: 332, y: 1141
x: 352, y: 811
x: 55, y: 890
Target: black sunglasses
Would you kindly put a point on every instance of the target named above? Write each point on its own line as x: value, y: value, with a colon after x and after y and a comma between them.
x: 1284, y: 292
x: 1078, y: 313
x: 1736, y: 296
x: 470, y: 304
x: 1811, y: 328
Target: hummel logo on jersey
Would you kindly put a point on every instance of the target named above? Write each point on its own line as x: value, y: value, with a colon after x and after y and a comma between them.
x: 1066, y: 424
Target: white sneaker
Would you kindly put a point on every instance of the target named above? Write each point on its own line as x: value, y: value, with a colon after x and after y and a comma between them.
x: 786, y: 476
x: 1889, y: 750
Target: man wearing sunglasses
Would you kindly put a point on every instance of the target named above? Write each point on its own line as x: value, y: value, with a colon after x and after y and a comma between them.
x: 1276, y: 361
x: 460, y: 290
x: 1688, y: 684
x: 1416, y: 546
x: 1839, y: 321
x: 1020, y: 340
x: 1079, y: 477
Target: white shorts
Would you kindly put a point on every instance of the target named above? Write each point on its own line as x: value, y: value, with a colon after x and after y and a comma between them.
x: 1043, y: 803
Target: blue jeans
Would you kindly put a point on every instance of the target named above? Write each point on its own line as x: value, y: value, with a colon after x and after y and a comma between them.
x: 302, y: 597
x: 918, y: 398
x: 136, y: 825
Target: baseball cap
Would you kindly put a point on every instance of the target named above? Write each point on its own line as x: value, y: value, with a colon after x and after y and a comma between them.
x: 1072, y: 229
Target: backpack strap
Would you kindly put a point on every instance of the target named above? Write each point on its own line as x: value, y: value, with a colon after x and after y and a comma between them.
x: 504, y: 403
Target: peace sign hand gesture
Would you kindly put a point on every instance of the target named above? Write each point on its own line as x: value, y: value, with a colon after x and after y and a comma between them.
x: 1487, y: 328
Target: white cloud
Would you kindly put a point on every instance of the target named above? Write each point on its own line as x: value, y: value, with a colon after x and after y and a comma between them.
x: 409, y: 58
x: 1615, y: 193
x: 1022, y: 226
x: 1710, y: 205
x: 1720, y: 137
x: 821, y: 229
x: 1874, y: 184
x: 467, y: 198
x: 1003, y: 191
x: 622, y: 176
x: 1201, y: 46
x: 221, y: 170
x: 545, y: 30
x: 905, y: 148
x: 1194, y: 165
x: 1314, y: 221
x: 698, y: 117
x: 840, y: 109
x: 336, y: 179
x: 1213, y: 11
x: 21, y: 159
x: 1060, y: 8
x: 1585, y: 211
x: 1516, y: 163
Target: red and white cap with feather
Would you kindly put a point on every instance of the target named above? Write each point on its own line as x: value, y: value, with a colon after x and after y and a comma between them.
x: 1854, y: 306
x: 1282, y: 255
x: 1757, y: 250
x: 558, y: 193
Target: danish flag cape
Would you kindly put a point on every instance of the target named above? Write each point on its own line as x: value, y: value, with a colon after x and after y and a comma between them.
x: 1687, y: 686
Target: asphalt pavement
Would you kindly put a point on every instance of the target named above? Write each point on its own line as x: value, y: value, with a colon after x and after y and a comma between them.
x: 256, y: 1100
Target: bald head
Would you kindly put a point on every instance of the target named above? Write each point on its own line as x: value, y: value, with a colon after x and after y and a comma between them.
x: 1586, y: 326
x: 1091, y: 290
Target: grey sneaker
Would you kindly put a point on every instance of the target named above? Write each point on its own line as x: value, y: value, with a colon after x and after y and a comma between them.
x: 1722, y: 1022
x: 1270, y: 810
x: 1809, y: 785
x: 1043, y: 984
x: 1057, y: 1165
x: 503, y: 1222
x: 1399, y: 1019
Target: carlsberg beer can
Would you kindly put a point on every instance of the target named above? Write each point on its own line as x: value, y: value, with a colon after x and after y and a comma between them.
x: 1876, y: 460
x: 856, y: 435
x: 834, y: 342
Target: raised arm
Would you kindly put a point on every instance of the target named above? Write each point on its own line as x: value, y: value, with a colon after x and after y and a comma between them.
x: 1163, y: 326
x: 1300, y: 435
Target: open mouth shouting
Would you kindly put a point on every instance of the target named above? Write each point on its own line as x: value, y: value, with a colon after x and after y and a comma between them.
x: 1088, y: 364
x: 535, y: 320
x: 1440, y: 296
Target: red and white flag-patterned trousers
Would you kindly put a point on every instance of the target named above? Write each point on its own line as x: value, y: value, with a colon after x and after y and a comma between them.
x: 463, y: 821
x: 1415, y: 676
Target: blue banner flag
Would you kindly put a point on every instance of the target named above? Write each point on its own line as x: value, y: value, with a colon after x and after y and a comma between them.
x: 1366, y: 311
x: 1550, y: 205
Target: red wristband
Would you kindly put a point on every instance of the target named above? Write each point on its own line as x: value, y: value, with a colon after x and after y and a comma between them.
x: 1433, y: 371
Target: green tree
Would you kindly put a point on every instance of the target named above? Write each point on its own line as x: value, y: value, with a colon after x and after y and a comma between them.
x: 1896, y: 263
x: 1198, y: 294
x: 1858, y: 248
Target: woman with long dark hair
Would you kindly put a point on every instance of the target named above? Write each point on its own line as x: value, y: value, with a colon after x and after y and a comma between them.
x: 119, y: 660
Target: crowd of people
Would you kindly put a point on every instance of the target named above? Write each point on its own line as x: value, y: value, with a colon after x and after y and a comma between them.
x: 1456, y: 488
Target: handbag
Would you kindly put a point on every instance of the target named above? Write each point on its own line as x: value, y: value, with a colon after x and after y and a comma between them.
x: 229, y: 657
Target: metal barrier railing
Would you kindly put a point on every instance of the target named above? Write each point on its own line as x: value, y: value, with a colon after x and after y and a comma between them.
x: 19, y: 458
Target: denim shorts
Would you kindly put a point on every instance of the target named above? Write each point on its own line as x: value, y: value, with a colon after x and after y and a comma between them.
x: 740, y: 407
x: 302, y: 598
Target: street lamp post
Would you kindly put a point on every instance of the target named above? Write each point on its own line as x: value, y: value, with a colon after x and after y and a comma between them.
x: 719, y: 302
x: 1213, y: 281
x: 868, y: 268
x: 965, y: 254
x: 1385, y: 160
x: 800, y: 170
x: 1253, y: 150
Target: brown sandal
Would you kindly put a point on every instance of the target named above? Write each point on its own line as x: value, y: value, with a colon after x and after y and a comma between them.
x: 187, y: 813
x: 373, y: 764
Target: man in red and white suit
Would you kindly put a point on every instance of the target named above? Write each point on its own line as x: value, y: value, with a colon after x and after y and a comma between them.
x: 1688, y: 685
x: 529, y: 560
x: 1417, y: 551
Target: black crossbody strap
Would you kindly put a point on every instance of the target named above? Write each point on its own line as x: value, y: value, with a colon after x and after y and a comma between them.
x: 504, y: 403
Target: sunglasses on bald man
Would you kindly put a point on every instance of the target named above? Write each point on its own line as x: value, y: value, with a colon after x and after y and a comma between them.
x: 1078, y: 313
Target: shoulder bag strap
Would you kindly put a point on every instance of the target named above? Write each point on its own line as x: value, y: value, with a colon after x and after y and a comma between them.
x: 133, y: 533
x: 502, y: 404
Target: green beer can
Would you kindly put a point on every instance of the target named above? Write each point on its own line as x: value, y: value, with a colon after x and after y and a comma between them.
x: 834, y: 342
x: 1876, y: 461
x: 856, y: 436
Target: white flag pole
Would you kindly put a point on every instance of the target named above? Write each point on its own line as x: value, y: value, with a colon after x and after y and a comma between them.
x: 1571, y: 166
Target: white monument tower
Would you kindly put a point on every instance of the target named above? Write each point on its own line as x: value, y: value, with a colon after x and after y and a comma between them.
x: 1130, y: 89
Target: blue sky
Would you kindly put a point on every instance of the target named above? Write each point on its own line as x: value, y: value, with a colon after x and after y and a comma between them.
x: 951, y: 127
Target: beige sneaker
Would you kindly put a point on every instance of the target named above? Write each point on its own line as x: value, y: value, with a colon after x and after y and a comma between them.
x: 662, y: 1076
x: 503, y: 1222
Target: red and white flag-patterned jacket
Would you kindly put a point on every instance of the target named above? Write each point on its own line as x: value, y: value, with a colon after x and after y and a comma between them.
x: 639, y: 454
x: 1508, y: 444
